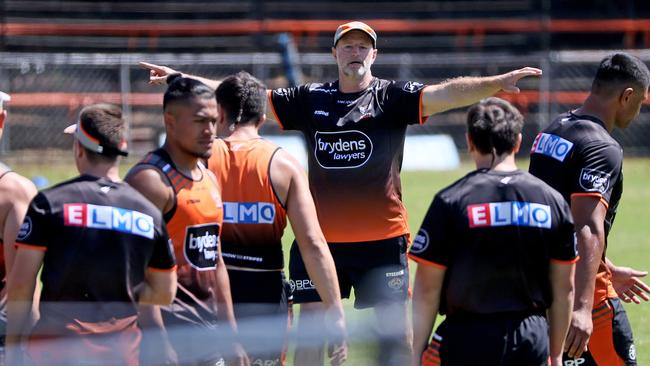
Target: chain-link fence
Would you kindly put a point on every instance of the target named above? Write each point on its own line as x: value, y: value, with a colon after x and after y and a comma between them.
x: 49, y: 89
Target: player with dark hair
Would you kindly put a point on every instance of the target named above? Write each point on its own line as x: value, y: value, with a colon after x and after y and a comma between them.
x: 185, y: 191
x: 16, y: 192
x: 104, y: 249
x: 496, y: 250
x: 355, y: 129
x: 577, y: 156
x: 262, y: 185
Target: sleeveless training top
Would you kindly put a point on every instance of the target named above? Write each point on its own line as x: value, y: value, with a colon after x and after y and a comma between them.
x: 193, y: 224
x: 254, y: 218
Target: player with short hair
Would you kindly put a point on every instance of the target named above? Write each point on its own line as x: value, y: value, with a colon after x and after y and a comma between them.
x: 16, y: 192
x: 355, y: 129
x: 495, y: 251
x: 174, y: 178
x: 104, y: 249
x: 577, y: 156
x: 262, y: 185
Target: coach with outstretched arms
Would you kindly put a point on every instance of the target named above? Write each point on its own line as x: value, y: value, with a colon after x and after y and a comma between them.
x: 577, y: 156
x: 355, y: 129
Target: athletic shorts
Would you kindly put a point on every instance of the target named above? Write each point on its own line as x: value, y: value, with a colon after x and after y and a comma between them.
x: 611, y: 343
x: 494, y: 340
x: 262, y: 310
x: 377, y: 270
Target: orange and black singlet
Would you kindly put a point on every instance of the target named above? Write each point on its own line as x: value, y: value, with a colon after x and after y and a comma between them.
x: 254, y: 219
x: 193, y: 224
x: 356, y: 144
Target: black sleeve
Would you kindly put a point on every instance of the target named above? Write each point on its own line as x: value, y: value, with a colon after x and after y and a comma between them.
x: 405, y: 97
x: 564, y: 247
x: 36, y: 230
x: 290, y: 106
x: 163, y: 251
x: 596, y: 168
x: 432, y: 243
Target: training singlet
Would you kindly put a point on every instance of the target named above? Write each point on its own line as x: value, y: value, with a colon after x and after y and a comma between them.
x: 99, y: 237
x: 194, y: 225
x: 355, y: 147
x: 578, y: 157
x: 253, y: 219
x: 495, y: 233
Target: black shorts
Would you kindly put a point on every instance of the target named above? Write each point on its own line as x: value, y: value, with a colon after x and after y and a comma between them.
x: 377, y: 270
x: 261, y: 302
x: 495, y: 340
x: 611, y: 343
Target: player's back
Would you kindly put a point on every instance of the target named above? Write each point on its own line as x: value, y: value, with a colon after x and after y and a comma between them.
x: 254, y: 217
x: 501, y: 224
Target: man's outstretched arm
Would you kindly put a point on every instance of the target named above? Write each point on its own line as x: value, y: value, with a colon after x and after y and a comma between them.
x: 463, y: 91
x: 158, y: 75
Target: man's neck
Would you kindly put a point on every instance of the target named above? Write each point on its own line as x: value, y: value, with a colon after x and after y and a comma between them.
x: 243, y: 133
x: 599, y: 108
x: 502, y: 163
x: 108, y: 171
x: 354, y: 85
x: 184, y: 162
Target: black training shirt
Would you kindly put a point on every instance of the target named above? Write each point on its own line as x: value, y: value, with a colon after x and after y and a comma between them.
x: 99, y: 237
x: 495, y: 233
x: 355, y: 146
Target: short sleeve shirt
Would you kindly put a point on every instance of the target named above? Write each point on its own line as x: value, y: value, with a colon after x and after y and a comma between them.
x: 355, y: 145
x: 99, y: 237
x: 495, y: 234
x: 577, y: 156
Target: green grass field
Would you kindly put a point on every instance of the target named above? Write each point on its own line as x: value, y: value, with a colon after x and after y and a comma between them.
x: 629, y: 242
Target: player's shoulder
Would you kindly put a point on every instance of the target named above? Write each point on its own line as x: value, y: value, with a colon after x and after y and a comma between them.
x: 460, y: 188
x: 581, y: 129
x: 15, y: 186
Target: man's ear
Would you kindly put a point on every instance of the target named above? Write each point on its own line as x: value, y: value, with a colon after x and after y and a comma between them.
x: 517, y: 146
x: 626, y: 96
x: 334, y: 52
x: 470, y: 143
x: 169, y: 119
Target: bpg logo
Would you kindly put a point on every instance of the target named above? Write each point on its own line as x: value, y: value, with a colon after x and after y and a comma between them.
x: 342, y: 150
x: 248, y: 212
x: 108, y: 218
x: 200, y: 247
x: 421, y: 242
x: 300, y: 285
x: 509, y: 214
x: 592, y: 180
x: 552, y: 146
x: 576, y: 362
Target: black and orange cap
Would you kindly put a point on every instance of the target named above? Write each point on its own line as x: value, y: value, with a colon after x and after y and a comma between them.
x: 343, y: 29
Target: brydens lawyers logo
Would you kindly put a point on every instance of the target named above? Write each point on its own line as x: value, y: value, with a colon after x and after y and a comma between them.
x: 108, y: 218
x: 509, y: 214
x: 592, y: 180
x: 200, y: 247
x: 421, y: 242
x: 552, y: 146
x: 248, y: 212
x: 342, y: 150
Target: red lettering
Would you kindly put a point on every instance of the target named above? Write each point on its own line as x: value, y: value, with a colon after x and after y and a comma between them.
x: 74, y: 214
x: 479, y: 215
